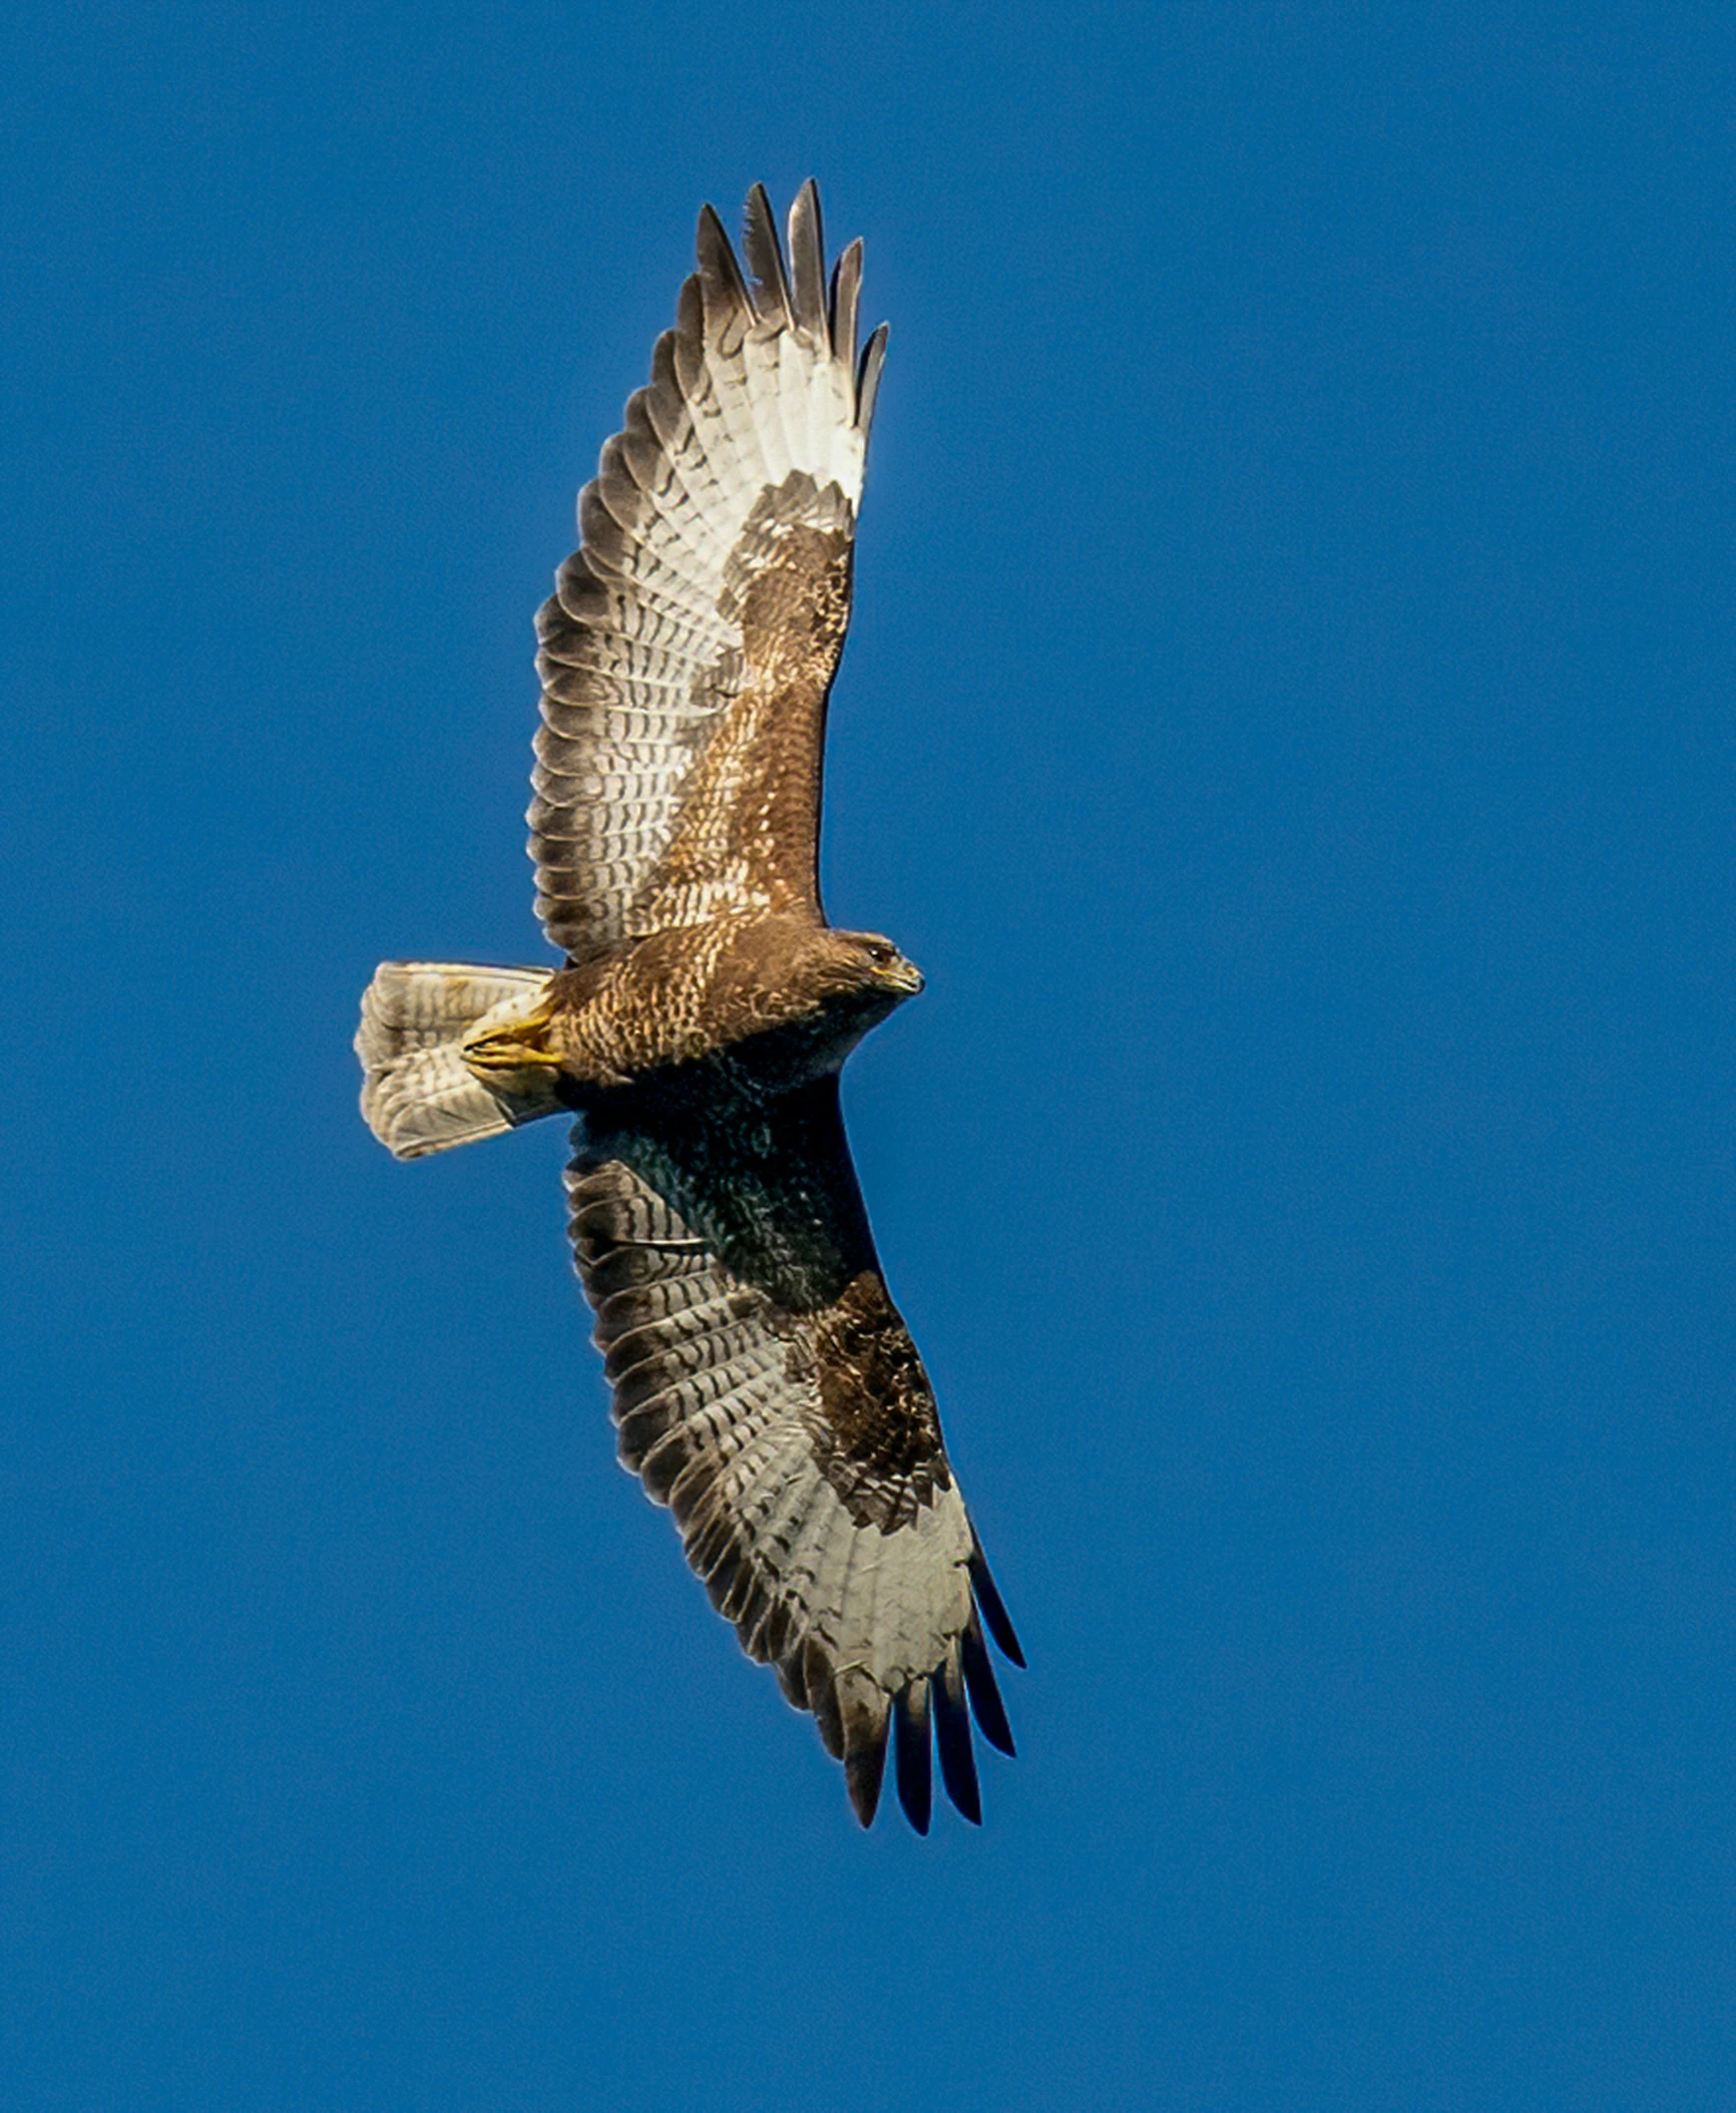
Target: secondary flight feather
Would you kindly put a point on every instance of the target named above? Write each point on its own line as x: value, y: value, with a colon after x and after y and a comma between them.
x: 765, y: 1388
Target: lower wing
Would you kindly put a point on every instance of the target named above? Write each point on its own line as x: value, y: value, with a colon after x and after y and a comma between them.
x: 767, y: 1391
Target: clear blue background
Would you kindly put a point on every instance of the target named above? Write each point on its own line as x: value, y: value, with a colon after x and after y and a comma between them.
x: 1288, y: 717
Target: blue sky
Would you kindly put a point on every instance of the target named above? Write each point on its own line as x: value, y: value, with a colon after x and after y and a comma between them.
x: 1287, y: 717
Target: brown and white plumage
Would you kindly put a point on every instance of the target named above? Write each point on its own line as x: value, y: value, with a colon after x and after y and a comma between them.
x: 764, y: 1386
x: 748, y: 440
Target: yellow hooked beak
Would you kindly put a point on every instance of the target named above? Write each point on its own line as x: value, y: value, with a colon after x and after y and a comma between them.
x: 901, y: 975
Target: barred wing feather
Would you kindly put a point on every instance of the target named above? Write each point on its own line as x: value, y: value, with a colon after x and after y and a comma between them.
x: 767, y: 1389
x: 688, y: 649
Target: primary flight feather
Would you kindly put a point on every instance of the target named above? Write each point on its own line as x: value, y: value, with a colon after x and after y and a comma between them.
x: 764, y: 1386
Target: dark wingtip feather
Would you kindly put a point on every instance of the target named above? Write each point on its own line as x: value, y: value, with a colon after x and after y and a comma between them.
x: 985, y: 1704
x: 958, y: 1759
x: 764, y: 254
x: 824, y: 1699
x: 864, y: 1769
x: 868, y: 380
x: 807, y: 262
x: 863, y: 1706
x: 688, y: 345
x: 719, y: 273
x: 792, y: 1678
x: 845, y: 296
x: 993, y: 1607
x: 709, y: 237
x: 912, y: 1747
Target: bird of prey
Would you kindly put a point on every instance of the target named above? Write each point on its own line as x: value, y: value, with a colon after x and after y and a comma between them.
x: 764, y: 1386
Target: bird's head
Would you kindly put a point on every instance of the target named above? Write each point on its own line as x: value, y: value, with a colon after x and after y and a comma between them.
x: 855, y: 977
x: 871, y: 963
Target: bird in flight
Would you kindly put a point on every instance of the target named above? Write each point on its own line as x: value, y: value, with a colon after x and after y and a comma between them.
x: 765, y: 1388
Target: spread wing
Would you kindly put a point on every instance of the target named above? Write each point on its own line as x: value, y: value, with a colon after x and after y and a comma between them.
x: 766, y: 1391
x: 691, y: 642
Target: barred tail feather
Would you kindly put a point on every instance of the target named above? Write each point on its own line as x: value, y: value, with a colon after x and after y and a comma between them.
x: 418, y: 1093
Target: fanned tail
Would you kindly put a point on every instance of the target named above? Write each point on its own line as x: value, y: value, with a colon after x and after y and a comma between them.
x: 418, y: 1093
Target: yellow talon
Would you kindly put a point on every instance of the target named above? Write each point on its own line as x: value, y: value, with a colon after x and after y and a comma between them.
x: 517, y: 1045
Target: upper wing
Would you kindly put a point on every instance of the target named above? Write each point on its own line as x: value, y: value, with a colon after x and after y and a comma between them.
x: 690, y: 640
x: 766, y: 1391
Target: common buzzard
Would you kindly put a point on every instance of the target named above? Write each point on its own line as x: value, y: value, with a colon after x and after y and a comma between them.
x: 764, y: 1386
